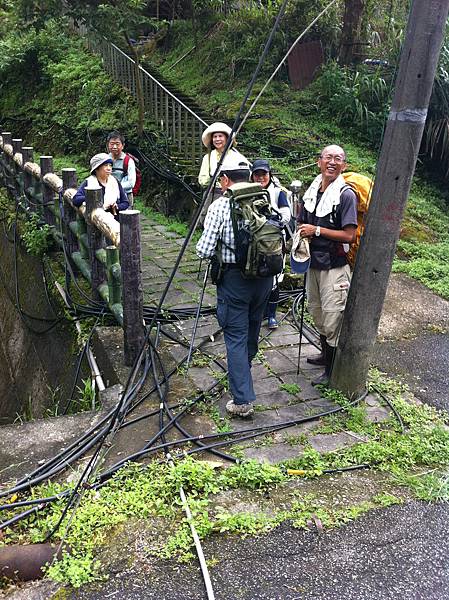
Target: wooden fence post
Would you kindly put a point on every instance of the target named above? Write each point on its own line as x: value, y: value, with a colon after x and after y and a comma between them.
x: 132, y: 290
x: 27, y: 156
x: 69, y: 180
x: 7, y: 140
x: 46, y: 164
x: 18, y: 180
x: 95, y: 241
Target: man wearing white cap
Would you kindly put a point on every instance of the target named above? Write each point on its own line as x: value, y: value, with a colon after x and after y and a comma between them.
x: 240, y: 302
x: 329, y: 219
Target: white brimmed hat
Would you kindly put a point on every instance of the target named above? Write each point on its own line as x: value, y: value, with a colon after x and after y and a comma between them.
x: 300, y: 254
x: 214, y: 128
x: 98, y: 160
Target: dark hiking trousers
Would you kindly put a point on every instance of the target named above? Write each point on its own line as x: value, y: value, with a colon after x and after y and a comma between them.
x: 240, y: 307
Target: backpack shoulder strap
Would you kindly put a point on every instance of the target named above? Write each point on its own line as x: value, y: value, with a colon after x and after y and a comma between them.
x: 125, y: 164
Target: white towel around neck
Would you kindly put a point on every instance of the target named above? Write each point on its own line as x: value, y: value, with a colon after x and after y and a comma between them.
x: 111, y: 191
x: 329, y: 199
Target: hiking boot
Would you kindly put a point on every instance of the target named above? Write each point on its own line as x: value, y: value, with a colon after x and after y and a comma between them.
x: 272, y: 323
x: 321, y: 358
x: 239, y: 410
x: 323, y: 379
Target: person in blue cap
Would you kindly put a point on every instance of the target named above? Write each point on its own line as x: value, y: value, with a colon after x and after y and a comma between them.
x: 261, y: 173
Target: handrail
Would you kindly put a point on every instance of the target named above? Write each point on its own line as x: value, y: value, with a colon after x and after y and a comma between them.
x: 161, y: 86
x: 178, y: 121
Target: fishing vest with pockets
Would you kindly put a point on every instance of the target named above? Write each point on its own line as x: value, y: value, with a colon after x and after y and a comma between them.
x: 258, y: 238
x: 362, y: 186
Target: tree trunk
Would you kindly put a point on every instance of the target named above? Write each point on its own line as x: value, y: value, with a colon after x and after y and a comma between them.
x: 397, y: 160
x: 351, y: 32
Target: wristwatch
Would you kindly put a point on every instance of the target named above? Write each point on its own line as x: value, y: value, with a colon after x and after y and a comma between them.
x: 318, y: 231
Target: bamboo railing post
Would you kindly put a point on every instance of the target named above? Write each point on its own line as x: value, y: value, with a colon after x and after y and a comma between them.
x: 46, y: 164
x: 95, y: 241
x: 69, y: 180
x: 114, y: 283
x: 132, y: 289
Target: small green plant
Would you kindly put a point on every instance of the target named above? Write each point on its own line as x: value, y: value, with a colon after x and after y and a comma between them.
x: 87, y: 399
x: 35, y: 235
x: 290, y: 388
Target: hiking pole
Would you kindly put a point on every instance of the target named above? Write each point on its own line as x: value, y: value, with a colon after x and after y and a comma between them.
x: 197, y: 317
x: 301, y: 323
x: 199, y: 268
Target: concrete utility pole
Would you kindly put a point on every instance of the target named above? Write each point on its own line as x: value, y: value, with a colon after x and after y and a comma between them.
x: 395, y: 170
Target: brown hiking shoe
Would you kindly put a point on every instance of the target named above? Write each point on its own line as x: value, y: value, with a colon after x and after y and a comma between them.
x: 239, y: 410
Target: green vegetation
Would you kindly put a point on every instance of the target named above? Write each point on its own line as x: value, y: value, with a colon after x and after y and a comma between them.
x: 290, y: 128
x: 36, y: 236
x: 290, y: 388
x: 413, y: 463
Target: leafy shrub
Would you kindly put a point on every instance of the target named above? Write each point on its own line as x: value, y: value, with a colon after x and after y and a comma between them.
x: 357, y: 99
x: 35, y: 236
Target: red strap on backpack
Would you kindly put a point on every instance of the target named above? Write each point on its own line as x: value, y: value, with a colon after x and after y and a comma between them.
x: 138, y: 183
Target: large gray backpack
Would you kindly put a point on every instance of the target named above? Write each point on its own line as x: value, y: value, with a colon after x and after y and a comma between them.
x: 259, y: 242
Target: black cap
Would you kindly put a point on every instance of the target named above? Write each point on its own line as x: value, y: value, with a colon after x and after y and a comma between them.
x: 261, y: 165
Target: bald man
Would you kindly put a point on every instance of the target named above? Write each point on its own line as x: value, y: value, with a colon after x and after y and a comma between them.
x: 329, y: 219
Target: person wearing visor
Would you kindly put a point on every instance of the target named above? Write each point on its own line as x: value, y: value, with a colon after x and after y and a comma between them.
x: 240, y: 301
x: 261, y: 173
x: 114, y: 197
x: 328, y: 218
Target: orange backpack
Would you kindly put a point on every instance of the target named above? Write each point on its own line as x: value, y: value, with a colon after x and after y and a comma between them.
x: 362, y: 186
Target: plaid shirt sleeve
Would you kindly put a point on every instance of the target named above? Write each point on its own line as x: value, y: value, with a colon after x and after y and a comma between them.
x: 217, y: 225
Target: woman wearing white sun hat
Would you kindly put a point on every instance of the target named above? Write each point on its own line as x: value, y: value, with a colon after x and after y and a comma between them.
x: 215, y: 138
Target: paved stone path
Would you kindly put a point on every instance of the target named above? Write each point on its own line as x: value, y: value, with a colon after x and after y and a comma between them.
x: 282, y: 394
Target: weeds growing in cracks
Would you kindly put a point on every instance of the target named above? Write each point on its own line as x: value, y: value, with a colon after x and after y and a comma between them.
x: 412, y: 461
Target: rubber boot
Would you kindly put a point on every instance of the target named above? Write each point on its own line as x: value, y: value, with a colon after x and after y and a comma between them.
x: 323, y: 379
x: 271, y: 314
x: 321, y: 358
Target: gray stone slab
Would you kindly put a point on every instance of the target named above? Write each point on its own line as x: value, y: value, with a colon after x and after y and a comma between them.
x: 202, y: 378
x: 176, y: 351
x: 276, y: 398
x: 150, y: 269
x: 377, y: 414
x: 278, y: 362
x: 322, y: 404
x: 296, y: 431
x: 307, y: 392
x: 291, y: 352
x: 272, y: 454
x: 372, y: 400
x: 259, y: 371
x: 191, y: 285
x: 332, y: 441
x: 268, y: 385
